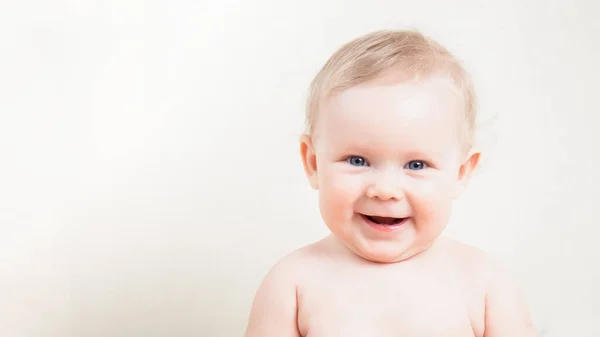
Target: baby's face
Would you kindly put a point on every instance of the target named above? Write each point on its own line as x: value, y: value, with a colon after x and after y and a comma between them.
x: 389, y: 163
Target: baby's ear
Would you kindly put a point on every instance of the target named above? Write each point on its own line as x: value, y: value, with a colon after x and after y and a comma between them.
x: 466, y: 170
x: 309, y: 160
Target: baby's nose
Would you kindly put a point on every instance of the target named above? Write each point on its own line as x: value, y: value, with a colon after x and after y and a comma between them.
x: 385, y: 187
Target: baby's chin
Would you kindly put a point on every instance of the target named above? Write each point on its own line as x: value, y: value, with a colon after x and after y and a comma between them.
x: 386, y: 252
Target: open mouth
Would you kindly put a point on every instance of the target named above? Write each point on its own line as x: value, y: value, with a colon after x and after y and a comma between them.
x: 382, y: 220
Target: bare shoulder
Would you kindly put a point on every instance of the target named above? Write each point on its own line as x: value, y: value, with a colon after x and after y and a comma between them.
x: 478, y: 264
x: 505, y: 310
x: 286, y: 274
x: 298, y: 264
x: 292, y: 265
x: 275, y: 305
x: 466, y: 259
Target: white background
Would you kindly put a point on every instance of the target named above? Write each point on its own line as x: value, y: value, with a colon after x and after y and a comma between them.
x: 150, y: 172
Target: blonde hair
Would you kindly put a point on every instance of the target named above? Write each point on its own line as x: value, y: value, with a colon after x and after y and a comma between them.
x: 367, y: 57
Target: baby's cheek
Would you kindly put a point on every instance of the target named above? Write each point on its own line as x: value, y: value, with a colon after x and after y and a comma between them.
x: 431, y: 201
x: 339, y: 192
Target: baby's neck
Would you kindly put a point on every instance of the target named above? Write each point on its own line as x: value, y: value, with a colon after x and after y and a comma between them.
x: 336, y: 249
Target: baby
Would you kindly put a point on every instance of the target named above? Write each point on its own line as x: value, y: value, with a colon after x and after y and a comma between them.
x: 389, y: 146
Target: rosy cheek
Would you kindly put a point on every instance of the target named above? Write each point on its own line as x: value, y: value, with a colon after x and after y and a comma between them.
x: 340, y: 191
x: 429, y: 199
x: 339, y: 182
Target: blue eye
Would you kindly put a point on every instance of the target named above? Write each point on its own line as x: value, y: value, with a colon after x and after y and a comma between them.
x: 356, y: 161
x: 416, y: 165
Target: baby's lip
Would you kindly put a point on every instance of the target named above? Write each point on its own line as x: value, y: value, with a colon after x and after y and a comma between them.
x: 383, y: 216
x: 384, y: 220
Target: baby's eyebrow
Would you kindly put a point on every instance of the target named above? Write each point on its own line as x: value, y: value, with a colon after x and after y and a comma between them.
x: 357, y: 147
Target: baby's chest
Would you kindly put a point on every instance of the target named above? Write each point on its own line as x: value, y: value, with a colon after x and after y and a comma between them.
x: 400, y: 310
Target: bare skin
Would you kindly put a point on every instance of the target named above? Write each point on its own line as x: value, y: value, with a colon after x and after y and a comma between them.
x: 450, y: 290
x: 387, y: 160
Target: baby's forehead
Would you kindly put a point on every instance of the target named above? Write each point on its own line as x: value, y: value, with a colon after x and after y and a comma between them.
x: 426, y: 116
x: 432, y: 101
x: 437, y: 86
x: 419, y: 136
